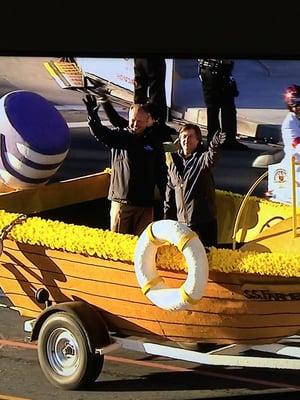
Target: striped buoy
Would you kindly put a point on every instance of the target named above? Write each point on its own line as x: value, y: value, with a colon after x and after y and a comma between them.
x: 34, y: 139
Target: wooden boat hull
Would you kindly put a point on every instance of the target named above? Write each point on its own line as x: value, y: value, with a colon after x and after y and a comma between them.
x: 235, y: 308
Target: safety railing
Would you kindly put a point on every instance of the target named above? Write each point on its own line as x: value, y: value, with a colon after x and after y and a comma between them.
x: 242, y: 206
x: 294, y: 163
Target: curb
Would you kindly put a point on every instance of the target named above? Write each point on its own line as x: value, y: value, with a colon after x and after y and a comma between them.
x: 245, y: 127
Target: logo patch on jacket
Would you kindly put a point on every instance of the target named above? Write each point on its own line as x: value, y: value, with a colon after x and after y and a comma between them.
x: 148, y: 147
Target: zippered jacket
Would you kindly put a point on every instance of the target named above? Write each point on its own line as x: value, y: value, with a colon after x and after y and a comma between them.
x: 190, y: 187
x: 138, y: 164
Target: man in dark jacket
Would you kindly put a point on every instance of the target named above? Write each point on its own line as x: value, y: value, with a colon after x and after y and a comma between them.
x: 191, y: 184
x: 138, y: 164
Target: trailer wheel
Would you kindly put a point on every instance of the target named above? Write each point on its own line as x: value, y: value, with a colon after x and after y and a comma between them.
x: 64, y: 354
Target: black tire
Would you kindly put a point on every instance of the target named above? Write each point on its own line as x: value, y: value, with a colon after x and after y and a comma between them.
x: 64, y: 354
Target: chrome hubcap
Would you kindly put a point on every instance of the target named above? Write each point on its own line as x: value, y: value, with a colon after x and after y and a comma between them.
x: 63, y: 352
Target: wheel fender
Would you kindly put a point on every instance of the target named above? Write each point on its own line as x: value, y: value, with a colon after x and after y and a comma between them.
x: 86, y: 315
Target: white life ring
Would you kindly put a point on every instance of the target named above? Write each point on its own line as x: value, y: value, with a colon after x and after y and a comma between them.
x: 153, y: 286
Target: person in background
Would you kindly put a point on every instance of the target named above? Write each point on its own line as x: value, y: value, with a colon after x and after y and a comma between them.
x: 190, y: 185
x: 290, y: 127
x: 280, y: 179
x: 149, y: 84
x: 138, y: 164
x: 149, y: 87
x: 220, y: 90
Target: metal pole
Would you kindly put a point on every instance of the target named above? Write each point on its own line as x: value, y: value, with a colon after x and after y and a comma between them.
x: 242, y: 206
x: 293, y: 182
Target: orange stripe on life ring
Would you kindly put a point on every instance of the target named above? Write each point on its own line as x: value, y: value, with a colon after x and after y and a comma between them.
x: 186, y: 297
x: 150, y: 284
x: 152, y: 238
x: 185, y: 239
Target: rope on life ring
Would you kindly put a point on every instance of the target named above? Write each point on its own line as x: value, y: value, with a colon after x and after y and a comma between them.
x: 152, y: 285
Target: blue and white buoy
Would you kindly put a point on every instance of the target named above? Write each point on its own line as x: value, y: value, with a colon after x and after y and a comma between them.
x: 34, y: 139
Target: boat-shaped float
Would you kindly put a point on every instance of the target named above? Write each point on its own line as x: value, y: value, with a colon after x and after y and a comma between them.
x: 78, y: 281
x: 249, y: 297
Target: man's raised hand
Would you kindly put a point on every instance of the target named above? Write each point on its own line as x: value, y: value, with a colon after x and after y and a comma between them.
x: 91, y: 106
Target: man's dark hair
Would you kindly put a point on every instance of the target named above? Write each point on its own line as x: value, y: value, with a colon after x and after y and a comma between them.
x: 152, y: 109
x: 148, y: 108
x: 140, y: 107
x: 194, y: 127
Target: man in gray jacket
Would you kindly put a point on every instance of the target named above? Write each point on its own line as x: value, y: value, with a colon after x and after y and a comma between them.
x: 190, y: 188
x: 138, y: 164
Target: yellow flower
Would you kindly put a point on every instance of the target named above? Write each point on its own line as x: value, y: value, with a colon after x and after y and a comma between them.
x: 116, y: 246
x: 275, y: 264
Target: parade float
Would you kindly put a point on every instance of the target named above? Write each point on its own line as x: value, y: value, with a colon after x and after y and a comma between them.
x: 87, y: 291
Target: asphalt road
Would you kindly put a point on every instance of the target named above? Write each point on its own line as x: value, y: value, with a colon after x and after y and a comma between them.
x: 131, y: 375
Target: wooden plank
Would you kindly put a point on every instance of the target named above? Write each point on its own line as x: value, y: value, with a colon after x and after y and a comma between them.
x: 54, y: 195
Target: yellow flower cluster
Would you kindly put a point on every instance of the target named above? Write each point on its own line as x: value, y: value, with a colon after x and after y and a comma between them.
x: 275, y: 264
x: 169, y: 257
x: 69, y: 237
x: 114, y: 246
x: 6, y: 218
x: 107, y: 170
x: 228, y: 261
